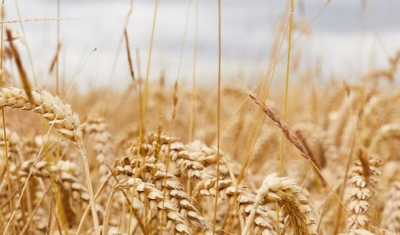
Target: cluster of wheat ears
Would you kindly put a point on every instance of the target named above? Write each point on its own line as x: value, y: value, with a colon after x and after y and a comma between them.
x: 333, y: 170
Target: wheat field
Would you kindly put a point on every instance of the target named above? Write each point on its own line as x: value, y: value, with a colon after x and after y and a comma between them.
x: 230, y: 159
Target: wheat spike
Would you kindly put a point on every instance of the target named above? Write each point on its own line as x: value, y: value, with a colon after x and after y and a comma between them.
x: 60, y: 116
x: 292, y: 201
x: 390, y: 214
x: 362, y: 190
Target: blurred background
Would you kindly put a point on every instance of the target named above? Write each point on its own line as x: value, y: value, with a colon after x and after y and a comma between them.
x: 333, y: 39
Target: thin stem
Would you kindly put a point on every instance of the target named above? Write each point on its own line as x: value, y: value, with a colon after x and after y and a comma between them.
x: 82, y: 151
x: 286, y: 83
x: 58, y: 43
x: 193, y: 94
x: 218, y: 118
x: 27, y: 44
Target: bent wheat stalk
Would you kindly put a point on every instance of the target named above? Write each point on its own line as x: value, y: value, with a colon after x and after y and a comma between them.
x: 58, y: 115
x: 294, y: 140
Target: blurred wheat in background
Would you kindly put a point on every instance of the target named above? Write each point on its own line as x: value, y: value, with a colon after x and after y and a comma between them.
x: 198, y: 117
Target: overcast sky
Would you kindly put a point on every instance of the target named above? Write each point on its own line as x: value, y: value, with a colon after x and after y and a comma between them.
x: 348, y: 37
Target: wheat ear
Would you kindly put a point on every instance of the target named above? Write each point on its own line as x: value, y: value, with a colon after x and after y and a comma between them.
x: 97, y: 129
x: 60, y: 116
x: 63, y: 176
x: 391, y: 212
x: 362, y: 190
x: 159, y: 181
x: 290, y: 198
x: 385, y: 132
